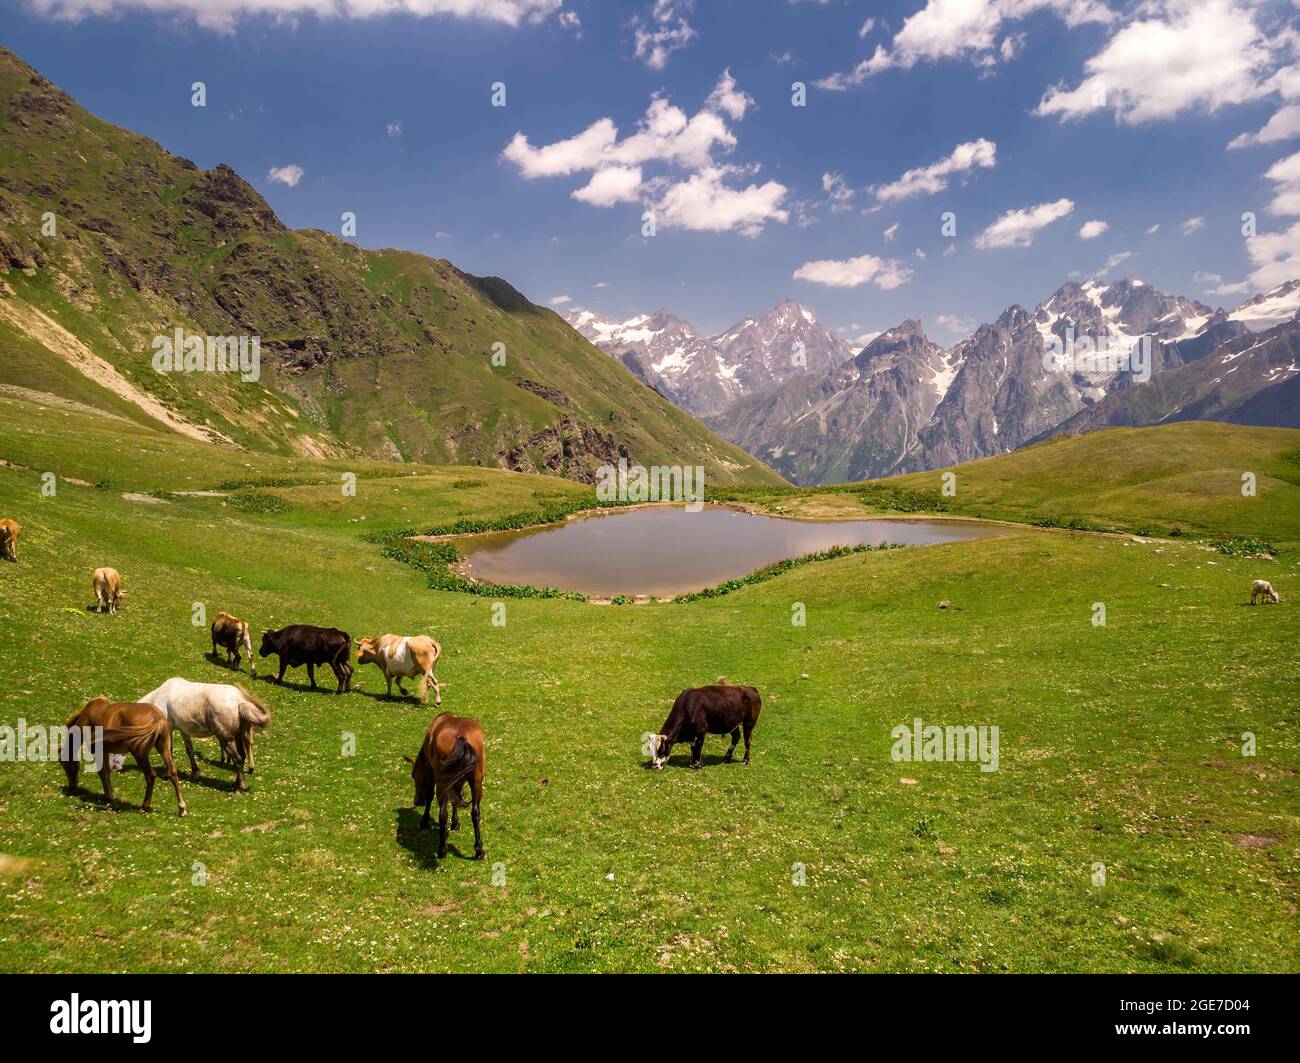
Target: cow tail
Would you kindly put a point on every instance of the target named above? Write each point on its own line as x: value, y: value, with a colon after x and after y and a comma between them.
x: 458, y: 766
x: 252, y: 712
x: 139, y: 738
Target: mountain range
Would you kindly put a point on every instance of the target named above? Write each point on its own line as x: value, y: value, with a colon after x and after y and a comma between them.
x: 905, y: 404
x: 109, y: 242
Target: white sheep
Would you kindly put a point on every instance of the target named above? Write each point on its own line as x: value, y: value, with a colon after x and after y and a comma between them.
x: 1261, y: 588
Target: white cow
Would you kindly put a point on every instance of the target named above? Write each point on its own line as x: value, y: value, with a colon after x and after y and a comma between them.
x: 207, y: 710
x: 400, y: 656
x: 1261, y: 588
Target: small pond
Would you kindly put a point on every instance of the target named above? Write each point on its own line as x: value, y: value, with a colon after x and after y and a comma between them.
x: 662, y: 551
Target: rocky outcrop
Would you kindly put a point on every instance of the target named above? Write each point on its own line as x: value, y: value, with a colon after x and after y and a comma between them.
x: 568, y: 448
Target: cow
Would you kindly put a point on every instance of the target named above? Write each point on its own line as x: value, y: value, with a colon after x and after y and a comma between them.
x: 301, y: 644
x: 213, y: 710
x: 1261, y: 588
x: 229, y: 632
x: 400, y: 656
x: 451, y: 756
x: 115, y: 728
x: 700, y: 711
x: 108, y: 590
x: 9, y: 530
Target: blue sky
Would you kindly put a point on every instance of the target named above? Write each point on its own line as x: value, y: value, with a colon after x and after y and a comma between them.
x: 989, y: 109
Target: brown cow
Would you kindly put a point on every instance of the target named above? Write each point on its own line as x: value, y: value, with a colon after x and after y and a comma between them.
x: 710, y: 710
x: 108, y: 590
x: 451, y: 756
x: 120, y: 727
x: 229, y: 632
x: 9, y: 530
x: 399, y: 657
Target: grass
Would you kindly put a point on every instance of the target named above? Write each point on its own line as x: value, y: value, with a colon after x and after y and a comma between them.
x: 1119, y: 744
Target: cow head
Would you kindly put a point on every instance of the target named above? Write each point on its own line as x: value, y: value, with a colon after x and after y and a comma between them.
x: 659, y: 751
x: 368, y: 651
x: 269, y: 643
x: 423, y: 779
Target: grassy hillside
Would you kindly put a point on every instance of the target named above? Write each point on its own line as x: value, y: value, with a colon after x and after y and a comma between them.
x: 1119, y: 744
x: 383, y: 354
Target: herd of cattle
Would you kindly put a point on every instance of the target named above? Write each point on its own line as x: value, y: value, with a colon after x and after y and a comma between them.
x: 450, y: 758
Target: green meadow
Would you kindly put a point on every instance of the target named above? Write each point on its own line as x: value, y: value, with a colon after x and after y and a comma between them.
x: 1124, y: 829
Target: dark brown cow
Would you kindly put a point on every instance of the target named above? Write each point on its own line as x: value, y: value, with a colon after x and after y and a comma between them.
x: 229, y: 632
x: 711, y: 710
x: 300, y: 644
x: 452, y: 755
x: 127, y: 727
x: 9, y: 530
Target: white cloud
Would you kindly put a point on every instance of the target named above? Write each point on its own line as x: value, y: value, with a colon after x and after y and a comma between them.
x: 919, y: 254
x: 614, y: 184
x: 601, y: 284
x: 1016, y: 228
x: 559, y: 300
x: 867, y: 27
x: 1153, y: 230
x: 1113, y: 261
x: 956, y: 326
x: 850, y: 273
x: 394, y: 128
x: 1175, y: 55
x: 956, y: 29
x: 838, y: 190
x: 1276, y: 257
x: 891, y: 232
x: 865, y: 339
x: 1285, y: 174
x: 223, y: 15
x: 1090, y: 230
x: 1213, y: 284
x: 927, y: 180
x: 662, y: 31
x: 1192, y: 224
x: 703, y: 203
x: 1284, y: 125
x: 666, y: 137
x: 285, y: 175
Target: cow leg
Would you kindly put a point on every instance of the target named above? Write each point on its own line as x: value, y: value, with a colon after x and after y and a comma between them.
x: 474, y: 815
x: 341, y: 676
x: 165, y: 748
x: 437, y: 690
x: 248, y: 748
x: 283, y: 666
x: 749, y: 730
x: 697, y: 753
x: 106, y: 779
x: 735, y: 740
x: 400, y: 689
x: 388, y: 693
x: 347, y: 672
x: 311, y: 674
x: 442, y: 828
x: 459, y: 796
x: 428, y: 806
x: 147, y: 768
x: 189, y: 748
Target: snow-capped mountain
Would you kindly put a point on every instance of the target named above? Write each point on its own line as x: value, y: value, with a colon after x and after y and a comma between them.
x: 1271, y: 308
x: 703, y: 374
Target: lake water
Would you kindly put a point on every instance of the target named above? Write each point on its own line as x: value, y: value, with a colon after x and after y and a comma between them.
x: 667, y: 550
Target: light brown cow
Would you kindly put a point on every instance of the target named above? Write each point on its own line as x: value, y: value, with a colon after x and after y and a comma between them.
x: 9, y: 530
x: 108, y: 590
x: 1262, y: 589
x: 401, y: 656
x: 229, y: 632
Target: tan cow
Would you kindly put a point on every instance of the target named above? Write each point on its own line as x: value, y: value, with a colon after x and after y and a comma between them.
x: 108, y: 590
x: 1262, y: 589
x: 229, y: 632
x: 400, y: 656
x: 9, y: 530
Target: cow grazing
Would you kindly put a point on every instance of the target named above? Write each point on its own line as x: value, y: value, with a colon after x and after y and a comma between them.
x: 1261, y: 588
x: 108, y: 590
x: 213, y: 710
x: 230, y: 633
x: 301, y: 644
x: 711, y: 710
x: 452, y: 755
x: 127, y: 727
x: 399, y: 657
x: 9, y: 530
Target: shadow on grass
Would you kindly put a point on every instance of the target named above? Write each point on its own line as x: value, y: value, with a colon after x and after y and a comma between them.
x: 423, y: 844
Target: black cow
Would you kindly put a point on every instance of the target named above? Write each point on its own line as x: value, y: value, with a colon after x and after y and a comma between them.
x: 301, y: 644
x: 715, y: 710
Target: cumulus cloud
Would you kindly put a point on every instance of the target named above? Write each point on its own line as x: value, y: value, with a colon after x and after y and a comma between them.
x: 668, y: 138
x: 223, y: 15
x: 286, y: 175
x: 1017, y: 228
x: 962, y: 29
x: 1090, y: 230
x: 927, y: 180
x: 664, y: 29
x: 559, y: 300
x: 886, y: 273
x: 1213, y: 284
x: 838, y: 191
x: 1284, y: 125
x: 1192, y: 224
x: 1174, y: 56
x: 1285, y: 174
x: 1276, y: 257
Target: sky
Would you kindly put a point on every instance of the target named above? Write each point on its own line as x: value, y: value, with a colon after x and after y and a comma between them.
x: 932, y: 159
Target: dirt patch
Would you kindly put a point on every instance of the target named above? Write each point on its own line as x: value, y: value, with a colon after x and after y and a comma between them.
x: 133, y: 496
x: 1253, y: 841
